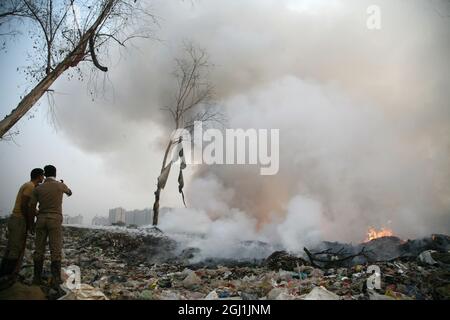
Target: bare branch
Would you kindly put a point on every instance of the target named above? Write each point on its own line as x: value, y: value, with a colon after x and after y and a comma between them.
x: 37, y: 18
x: 93, y: 55
x: 13, y: 8
x: 58, y: 25
x: 122, y: 42
x: 334, y: 259
x: 170, y: 111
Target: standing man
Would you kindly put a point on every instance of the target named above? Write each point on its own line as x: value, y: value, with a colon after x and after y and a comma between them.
x: 49, y: 195
x: 18, y: 224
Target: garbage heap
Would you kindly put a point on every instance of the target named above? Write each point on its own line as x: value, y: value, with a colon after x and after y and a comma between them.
x: 133, y: 264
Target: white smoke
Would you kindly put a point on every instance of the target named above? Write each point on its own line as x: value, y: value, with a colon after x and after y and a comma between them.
x: 344, y: 167
x: 363, y: 118
x: 302, y: 225
x: 237, y: 235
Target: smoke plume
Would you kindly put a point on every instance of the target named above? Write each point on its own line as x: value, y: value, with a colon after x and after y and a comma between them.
x: 363, y: 118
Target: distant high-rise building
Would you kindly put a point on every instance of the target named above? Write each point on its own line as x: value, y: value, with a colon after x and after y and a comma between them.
x: 130, y: 217
x: 138, y: 217
x: 117, y: 215
x: 142, y: 217
x: 134, y: 217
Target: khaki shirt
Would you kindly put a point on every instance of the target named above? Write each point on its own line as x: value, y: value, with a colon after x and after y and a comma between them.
x: 49, y: 195
x: 26, y: 190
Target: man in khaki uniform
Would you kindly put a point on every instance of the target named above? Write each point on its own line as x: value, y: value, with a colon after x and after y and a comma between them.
x: 18, y: 225
x: 49, y: 195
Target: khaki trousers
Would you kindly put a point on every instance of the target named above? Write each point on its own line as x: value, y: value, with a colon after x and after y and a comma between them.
x: 48, y: 226
x: 16, y: 237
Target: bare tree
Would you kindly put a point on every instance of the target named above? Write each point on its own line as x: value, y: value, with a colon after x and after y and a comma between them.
x: 193, y: 101
x: 65, y: 33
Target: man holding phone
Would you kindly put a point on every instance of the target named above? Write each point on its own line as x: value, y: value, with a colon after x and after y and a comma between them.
x: 49, y: 195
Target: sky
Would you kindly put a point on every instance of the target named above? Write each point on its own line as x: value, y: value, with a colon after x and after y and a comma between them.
x: 363, y: 117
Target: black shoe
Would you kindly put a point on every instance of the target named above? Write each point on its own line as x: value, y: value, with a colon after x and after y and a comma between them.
x: 7, y: 273
x: 3, y: 267
x: 8, y: 267
x: 56, y: 273
x: 38, y: 266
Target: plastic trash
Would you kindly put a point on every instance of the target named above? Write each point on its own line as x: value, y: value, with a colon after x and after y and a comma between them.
x: 425, y: 257
x: 248, y: 296
x: 169, y: 295
x: 191, y: 280
x: 279, y: 294
x: 84, y: 292
x: 320, y: 293
x: 212, y: 296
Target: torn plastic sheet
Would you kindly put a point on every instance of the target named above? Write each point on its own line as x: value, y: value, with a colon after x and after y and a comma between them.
x: 83, y: 292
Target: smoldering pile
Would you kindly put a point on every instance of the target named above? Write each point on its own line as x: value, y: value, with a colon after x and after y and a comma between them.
x: 148, y: 264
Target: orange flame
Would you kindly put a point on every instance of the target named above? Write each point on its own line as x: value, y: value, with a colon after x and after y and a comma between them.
x: 373, y: 233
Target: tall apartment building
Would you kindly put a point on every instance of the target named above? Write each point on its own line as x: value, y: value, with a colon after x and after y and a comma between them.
x: 116, y: 215
x: 134, y: 217
x: 138, y: 217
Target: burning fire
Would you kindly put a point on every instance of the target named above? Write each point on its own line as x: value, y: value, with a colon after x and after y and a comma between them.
x: 373, y: 233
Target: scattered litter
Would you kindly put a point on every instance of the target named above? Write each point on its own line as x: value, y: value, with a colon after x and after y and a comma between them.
x: 147, y: 265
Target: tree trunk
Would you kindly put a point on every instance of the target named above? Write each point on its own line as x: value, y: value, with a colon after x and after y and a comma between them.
x: 30, y: 99
x: 158, y: 190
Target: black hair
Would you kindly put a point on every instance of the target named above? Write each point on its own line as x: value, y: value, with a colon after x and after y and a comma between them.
x: 36, y: 173
x: 50, y: 171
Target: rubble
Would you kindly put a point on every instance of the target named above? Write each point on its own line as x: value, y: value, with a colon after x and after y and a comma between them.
x: 121, y: 263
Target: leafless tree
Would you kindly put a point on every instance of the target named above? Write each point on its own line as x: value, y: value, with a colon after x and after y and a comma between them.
x: 65, y: 33
x: 193, y: 101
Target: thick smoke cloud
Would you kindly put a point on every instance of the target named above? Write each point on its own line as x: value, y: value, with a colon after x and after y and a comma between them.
x: 363, y: 116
